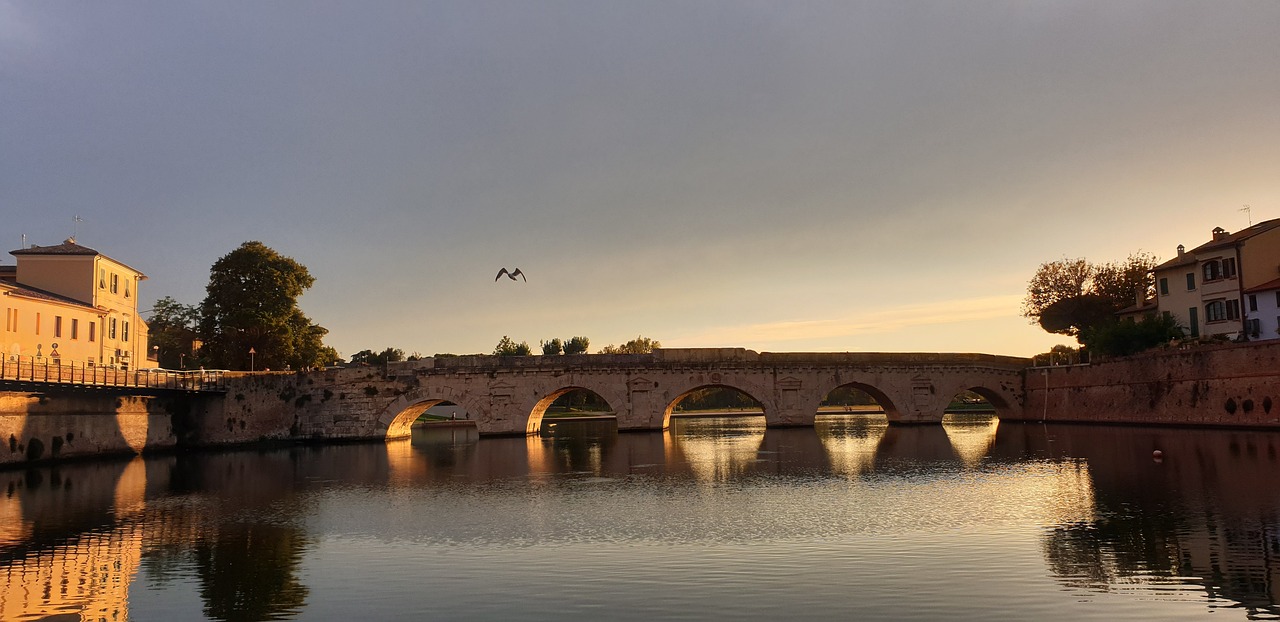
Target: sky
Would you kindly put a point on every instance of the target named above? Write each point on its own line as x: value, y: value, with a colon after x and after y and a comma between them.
x: 779, y: 176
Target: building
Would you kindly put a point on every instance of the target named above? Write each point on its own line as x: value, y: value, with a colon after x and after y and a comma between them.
x: 70, y: 303
x: 1262, y: 311
x: 1220, y: 287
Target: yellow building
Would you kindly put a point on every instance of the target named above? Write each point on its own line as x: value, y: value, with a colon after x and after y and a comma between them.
x: 1215, y: 288
x: 73, y: 304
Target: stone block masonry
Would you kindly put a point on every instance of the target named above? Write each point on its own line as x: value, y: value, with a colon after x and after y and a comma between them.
x: 1231, y: 385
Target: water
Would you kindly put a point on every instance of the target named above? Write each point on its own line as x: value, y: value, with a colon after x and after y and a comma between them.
x: 719, y: 518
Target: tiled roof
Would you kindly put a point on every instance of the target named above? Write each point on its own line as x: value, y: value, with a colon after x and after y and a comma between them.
x: 1243, y: 234
x: 1269, y: 285
x: 68, y: 247
x: 1228, y: 240
x: 39, y: 294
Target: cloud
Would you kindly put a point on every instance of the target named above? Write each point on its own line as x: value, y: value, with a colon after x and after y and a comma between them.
x: 872, y: 322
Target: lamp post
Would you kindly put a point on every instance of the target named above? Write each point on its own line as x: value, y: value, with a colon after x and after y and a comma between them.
x: 182, y: 360
x: 155, y: 352
x: 251, y: 353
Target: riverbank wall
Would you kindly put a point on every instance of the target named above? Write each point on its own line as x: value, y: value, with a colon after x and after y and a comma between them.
x: 37, y: 426
x: 1228, y: 385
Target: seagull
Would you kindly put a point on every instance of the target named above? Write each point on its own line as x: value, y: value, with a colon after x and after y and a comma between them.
x: 510, y: 275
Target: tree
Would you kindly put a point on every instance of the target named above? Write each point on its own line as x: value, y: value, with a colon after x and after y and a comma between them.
x: 1069, y: 315
x: 369, y: 357
x: 1125, y: 337
x: 171, y: 330
x: 639, y: 345
x: 553, y: 347
x: 577, y: 345
x: 1055, y: 281
x: 1122, y: 281
x: 1069, y: 295
x: 251, y: 302
x: 507, y: 347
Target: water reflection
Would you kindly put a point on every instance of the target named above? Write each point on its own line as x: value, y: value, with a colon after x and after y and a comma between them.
x: 235, y: 530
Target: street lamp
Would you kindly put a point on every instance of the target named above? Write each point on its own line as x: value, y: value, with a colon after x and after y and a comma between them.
x: 182, y: 360
x: 251, y: 353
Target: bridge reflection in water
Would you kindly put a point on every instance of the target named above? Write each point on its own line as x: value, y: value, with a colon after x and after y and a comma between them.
x: 251, y: 535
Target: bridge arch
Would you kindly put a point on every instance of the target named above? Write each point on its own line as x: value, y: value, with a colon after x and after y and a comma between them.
x: 396, y: 420
x: 540, y: 407
x: 882, y: 398
x: 1002, y: 399
x: 769, y: 409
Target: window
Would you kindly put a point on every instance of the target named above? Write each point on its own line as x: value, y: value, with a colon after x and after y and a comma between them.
x: 1229, y: 267
x: 37, y: 323
x: 1253, y: 302
x: 115, y: 283
x: 1191, y: 281
x: 1215, y: 311
x: 1164, y: 287
x: 112, y: 334
x: 1212, y: 272
x: 102, y: 278
x: 57, y: 326
x: 1233, y: 309
x: 93, y: 331
x: 126, y: 331
x: 1254, y: 327
x: 1278, y: 299
x: 75, y: 328
x: 126, y: 289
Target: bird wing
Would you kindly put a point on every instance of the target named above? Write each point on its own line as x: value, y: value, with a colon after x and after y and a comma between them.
x: 513, y: 275
x: 500, y: 273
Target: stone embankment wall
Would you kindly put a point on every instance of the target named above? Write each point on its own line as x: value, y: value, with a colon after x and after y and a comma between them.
x: 49, y: 426
x: 1231, y: 385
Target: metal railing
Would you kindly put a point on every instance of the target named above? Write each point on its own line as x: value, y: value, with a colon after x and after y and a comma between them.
x: 55, y: 371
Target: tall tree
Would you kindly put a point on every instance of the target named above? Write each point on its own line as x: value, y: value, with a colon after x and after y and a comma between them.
x: 1122, y: 281
x: 577, y: 345
x: 1070, y: 295
x: 552, y: 347
x: 507, y: 347
x: 369, y: 357
x: 639, y: 345
x: 171, y: 329
x: 251, y: 302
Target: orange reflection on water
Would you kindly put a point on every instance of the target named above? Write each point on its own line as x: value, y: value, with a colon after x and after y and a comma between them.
x: 715, y: 448
x: 851, y: 441
x: 971, y: 437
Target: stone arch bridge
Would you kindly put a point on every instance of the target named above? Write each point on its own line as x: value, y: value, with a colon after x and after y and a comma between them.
x: 508, y: 395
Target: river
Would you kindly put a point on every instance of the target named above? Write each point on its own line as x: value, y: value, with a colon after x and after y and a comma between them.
x: 719, y: 518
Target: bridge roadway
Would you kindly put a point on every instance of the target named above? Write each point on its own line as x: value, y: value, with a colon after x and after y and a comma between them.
x: 509, y: 395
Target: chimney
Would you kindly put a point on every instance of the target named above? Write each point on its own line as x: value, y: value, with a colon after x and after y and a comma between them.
x: 1140, y: 295
x: 1182, y: 250
x: 1219, y: 233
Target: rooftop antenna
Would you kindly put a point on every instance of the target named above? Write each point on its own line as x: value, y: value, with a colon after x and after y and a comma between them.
x: 1248, y: 212
x: 75, y: 221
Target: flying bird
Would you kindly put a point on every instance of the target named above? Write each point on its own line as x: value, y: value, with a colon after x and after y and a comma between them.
x: 510, y: 275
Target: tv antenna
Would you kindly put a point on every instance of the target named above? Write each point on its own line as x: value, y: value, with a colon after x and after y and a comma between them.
x: 74, y: 222
x: 1248, y: 212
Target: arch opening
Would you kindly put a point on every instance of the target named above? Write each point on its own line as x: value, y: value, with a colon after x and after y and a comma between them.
x: 713, y: 400
x: 443, y: 412
x: 571, y: 406
x: 974, y: 403
x: 425, y: 413
x: 854, y: 403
